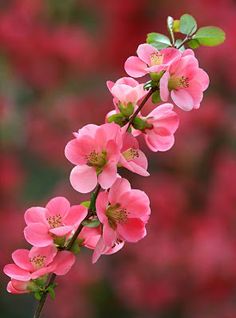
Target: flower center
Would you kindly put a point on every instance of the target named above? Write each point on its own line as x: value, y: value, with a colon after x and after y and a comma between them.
x: 116, y: 214
x: 54, y: 221
x: 178, y: 82
x: 156, y: 58
x: 130, y: 154
x: 96, y: 159
x: 38, y: 261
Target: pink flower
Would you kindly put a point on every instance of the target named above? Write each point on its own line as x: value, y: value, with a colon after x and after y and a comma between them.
x: 95, y: 151
x: 132, y: 158
x: 126, y: 90
x: 123, y: 213
x: 185, y: 82
x: 57, y: 220
x: 163, y: 123
x: 150, y: 60
x: 92, y: 239
x: 38, y: 262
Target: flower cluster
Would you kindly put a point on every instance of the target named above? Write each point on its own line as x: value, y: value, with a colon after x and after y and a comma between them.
x: 116, y: 213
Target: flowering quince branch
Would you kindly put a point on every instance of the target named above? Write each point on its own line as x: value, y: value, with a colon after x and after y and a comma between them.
x: 116, y: 213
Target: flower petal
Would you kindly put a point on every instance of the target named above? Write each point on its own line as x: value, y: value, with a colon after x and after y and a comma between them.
x: 58, y: 205
x: 135, y: 67
x: 132, y: 230
x: 21, y: 259
x: 76, y: 215
x: 101, y: 206
x: 63, y: 262
x: 35, y: 215
x: 37, y: 234
x: 83, y: 178
x: 16, y: 272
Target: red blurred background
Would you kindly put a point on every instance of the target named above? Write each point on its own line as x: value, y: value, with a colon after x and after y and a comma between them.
x: 55, y: 57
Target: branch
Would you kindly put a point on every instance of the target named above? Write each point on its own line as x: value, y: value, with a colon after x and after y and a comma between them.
x: 152, y: 90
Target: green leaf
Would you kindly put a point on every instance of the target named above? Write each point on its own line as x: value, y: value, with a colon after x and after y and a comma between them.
x: 193, y: 44
x: 51, y: 292
x: 156, y: 97
x: 209, y: 36
x: 75, y: 247
x: 38, y: 295
x: 158, y: 40
x: 139, y: 123
x: 126, y: 110
x: 178, y: 43
x: 170, y: 23
x: 188, y: 24
x: 86, y: 204
x: 119, y: 119
x: 91, y: 223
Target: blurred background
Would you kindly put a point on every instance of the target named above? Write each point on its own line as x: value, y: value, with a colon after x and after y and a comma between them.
x: 55, y: 57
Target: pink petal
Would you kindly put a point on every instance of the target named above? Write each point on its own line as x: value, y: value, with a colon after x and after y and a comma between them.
x: 135, y: 67
x: 88, y: 130
x: 119, y: 187
x: 98, y: 250
x: 137, y: 203
x: 76, y: 215
x: 90, y: 236
x: 115, y: 249
x: 170, y: 54
x: 144, y: 52
x: 16, y: 272
x: 21, y: 259
x: 41, y: 272
x: 63, y: 262
x: 17, y: 287
x: 202, y: 78
x: 159, y: 143
x: 101, y: 206
x: 183, y: 99
x: 49, y: 252
x: 127, y: 81
x: 58, y: 205
x: 124, y: 93
x: 108, y: 176
x: 83, y: 178
x: 164, y: 91
x: 109, y: 235
x: 132, y: 230
x: 110, y: 84
x: 129, y: 142
x: 35, y: 215
x: 77, y: 149
x: 37, y: 234
x: 62, y: 230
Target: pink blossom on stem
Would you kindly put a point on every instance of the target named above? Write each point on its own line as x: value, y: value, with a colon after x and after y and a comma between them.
x: 123, y: 212
x: 163, y: 122
x: 126, y: 90
x: 56, y: 221
x: 95, y: 151
x: 185, y: 82
x: 150, y: 60
x: 132, y: 158
x: 92, y: 239
x: 29, y: 265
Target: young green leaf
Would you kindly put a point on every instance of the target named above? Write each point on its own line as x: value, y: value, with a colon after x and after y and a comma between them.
x: 91, y: 223
x: 178, y: 44
x: 156, y: 97
x: 38, y: 295
x: 193, y: 44
x: 158, y: 40
x: 209, y: 36
x: 86, y: 204
x: 188, y: 24
x: 51, y: 292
